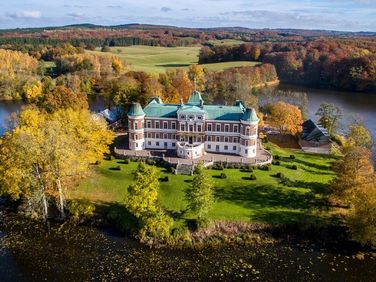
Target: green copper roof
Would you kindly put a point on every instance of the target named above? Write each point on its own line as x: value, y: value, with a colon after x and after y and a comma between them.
x: 155, y: 109
x: 250, y: 115
x: 135, y: 110
x: 190, y: 109
x: 195, y: 99
x: 214, y: 112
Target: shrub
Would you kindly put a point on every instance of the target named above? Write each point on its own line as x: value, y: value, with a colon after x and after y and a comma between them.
x: 265, y: 140
x: 265, y: 167
x: 277, y: 157
x: 107, y: 157
x: 280, y: 175
x: 286, y: 182
x: 165, y: 179
x: 252, y: 177
x: 122, y: 218
x: 276, y: 163
x: 126, y: 161
x: 81, y: 208
x: 292, y: 157
x: 294, y: 167
x: 223, y: 175
x: 218, y: 167
x: 117, y: 167
x: 150, y: 162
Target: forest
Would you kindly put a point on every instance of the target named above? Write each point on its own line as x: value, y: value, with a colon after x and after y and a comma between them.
x: 347, y: 64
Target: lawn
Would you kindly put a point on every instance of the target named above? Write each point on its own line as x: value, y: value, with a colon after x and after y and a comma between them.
x: 237, y: 197
x: 225, y: 42
x: 158, y: 59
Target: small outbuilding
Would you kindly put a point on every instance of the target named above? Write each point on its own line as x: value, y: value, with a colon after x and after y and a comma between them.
x: 315, y: 139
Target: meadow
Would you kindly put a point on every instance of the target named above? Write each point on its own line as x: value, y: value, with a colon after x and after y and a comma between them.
x: 237, y: 197
x: 152, y: 59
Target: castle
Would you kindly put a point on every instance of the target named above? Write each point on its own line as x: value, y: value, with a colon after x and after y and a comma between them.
x: 192, y: 129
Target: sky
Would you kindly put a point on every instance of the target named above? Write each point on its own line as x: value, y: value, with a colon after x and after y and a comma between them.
x: 344, y: 15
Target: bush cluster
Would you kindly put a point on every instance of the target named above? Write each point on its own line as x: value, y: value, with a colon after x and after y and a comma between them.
x: 164, y: 179
x: 294, y: 167
x: 292, y: 157
x: 276, y: 163
x: 265, y: 167
x: 277, y: 157
x: 252, y: 177
x: 223, y: 175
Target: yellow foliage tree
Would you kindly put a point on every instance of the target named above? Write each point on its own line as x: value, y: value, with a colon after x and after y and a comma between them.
x: 286, y: 117
x: 32, y: 91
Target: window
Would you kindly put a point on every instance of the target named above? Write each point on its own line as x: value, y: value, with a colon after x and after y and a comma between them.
x: 235, y: 139
x: 226, y: 139
x: 173, y: 125
x: 173, y: 145
x: 246, y: 151
x: 226, y: 147
x: 165, y: 125
x: 165, y: 136
x: 209, y: 138
x: 148, y: 124
x: 157, y: 143
x: 199, y: 127
x: 149, y: 143
x: 199, y: 117
x: 182, y: 117
x: 209, y: 146
x: 157, y: 135
x: 217, y: 139
x: 234, y: 148
x: 181, y: 138
x: 136, y: 144
x: 246, y: 143
x: 165, y: 144
x: 135, y: 137
x: 143, y: 124
x: 135, y: 125
x: 236, y: 128
x: 182, y: 127
x: 227, y: 128
x: 217, y: 147
x: 173, y: 136
x: 247, y: 131
x: 191, y: 127
x: 209, y: 127
x: 191, y: 117
x: 218, y: 127
x: 157, y: 124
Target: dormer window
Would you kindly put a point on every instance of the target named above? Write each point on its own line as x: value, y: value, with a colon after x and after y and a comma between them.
x: 182, y: 117
x: 199, y: 117
x: 191, y: 117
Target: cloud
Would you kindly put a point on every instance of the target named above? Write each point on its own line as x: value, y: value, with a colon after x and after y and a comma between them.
x: 166, y: 9
x: 25, y: 15
x: 76, y: 15
x: 114, y: 7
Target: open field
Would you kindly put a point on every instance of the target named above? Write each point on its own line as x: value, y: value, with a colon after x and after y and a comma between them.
x: 238, y: 197
x: 225, y: 42
x: 159, y: 59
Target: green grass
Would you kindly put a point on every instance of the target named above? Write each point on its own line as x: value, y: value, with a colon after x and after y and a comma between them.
x: 159, y: 59
x: 238, y: 198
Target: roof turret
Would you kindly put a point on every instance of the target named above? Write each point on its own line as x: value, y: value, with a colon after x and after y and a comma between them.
x: 135, y: 110
x: 250, y: 115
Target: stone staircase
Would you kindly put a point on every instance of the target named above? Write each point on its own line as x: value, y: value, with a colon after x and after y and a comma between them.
x: 186, y: 169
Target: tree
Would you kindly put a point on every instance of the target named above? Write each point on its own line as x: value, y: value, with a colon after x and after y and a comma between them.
x: 200, y: 194
x: 197, y: 75
x: 353, y: 171
x: 286, y: 117
x: 329, y: 117
x: 62, y: 97
x: 362, y: 216
x: 46, y: 154
x: 142, y: 202
x: 142, y: 196
x: 360, y: 136
x: 32, y: 90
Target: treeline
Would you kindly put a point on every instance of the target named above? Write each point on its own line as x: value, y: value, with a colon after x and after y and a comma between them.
x: 16, y: 69
x: 328, y: 63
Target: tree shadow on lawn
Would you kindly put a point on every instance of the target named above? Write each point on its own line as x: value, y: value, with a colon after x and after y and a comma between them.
x: 317, y: 172
x: 267, y: 196
x: 309, y: 164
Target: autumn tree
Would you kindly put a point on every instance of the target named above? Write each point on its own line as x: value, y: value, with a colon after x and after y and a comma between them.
x: 63, y: 98
x: 360, y: 136
x: 181, y: 82
x: 361, y: 219
x: 32, y: 90
x: 286, y: 117
x: 200, y: 194
x: 353, y: 171
x: 329, y: 117
x: 142, y: 202
x: 51, y: 152
x: 197, y: 76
